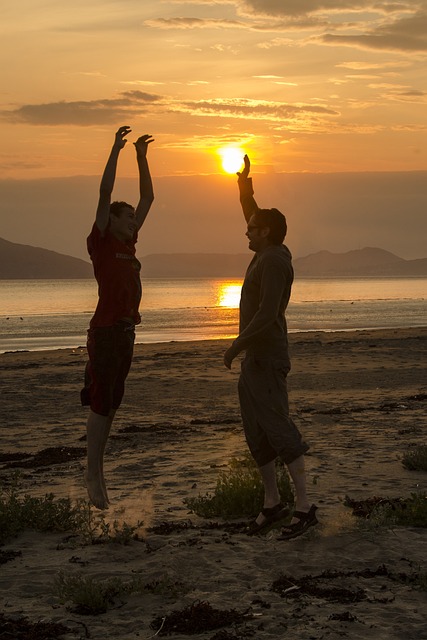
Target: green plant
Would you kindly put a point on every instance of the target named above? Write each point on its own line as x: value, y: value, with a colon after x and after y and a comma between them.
x: 416, y: 460
x: 48, y: 514
x: 239, y: 491
x: 42, y: 514
x: 91, y: 596
x: 412, y: 512
x: 117, y: 532
x: 379, y: 518
x: 409, y: 512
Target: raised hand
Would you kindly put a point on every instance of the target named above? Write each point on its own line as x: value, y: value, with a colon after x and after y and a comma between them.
x: 141, y: 145
x: 120, y: 136
x: 244, y: 174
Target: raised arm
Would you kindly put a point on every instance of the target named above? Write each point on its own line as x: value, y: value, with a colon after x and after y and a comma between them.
x: 146, y: 194
x: 247, y: 199
x: 108, y: 178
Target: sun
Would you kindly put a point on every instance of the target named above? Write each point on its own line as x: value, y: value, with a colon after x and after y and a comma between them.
x: 231, y: 158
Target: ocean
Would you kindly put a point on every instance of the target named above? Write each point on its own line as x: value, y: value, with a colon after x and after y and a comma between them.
x: 52, y: 314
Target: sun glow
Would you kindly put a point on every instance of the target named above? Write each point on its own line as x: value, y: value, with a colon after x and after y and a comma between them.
x: 231, y: 158
x: 229, y: 294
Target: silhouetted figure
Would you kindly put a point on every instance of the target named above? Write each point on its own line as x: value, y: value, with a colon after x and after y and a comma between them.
x: 111, y: 334
x: 269, y: 430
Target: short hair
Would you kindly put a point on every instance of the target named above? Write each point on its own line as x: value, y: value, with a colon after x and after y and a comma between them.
x: 275, y: 221
x: 117, y: 206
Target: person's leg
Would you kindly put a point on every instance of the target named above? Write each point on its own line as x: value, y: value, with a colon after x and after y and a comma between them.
x: 297, y: 472
x: 271, y: 491
x: 269, y: 479
x: 109, y: 362
x: 250, y: 381
x: 97, y: 429
x: 304, y: 515
x: 263, y: 455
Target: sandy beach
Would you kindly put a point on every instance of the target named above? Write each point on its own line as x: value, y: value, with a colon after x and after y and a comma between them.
x: 360, y: 399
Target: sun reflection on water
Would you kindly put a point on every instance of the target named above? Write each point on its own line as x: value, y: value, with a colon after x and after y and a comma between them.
x: 228, y: 294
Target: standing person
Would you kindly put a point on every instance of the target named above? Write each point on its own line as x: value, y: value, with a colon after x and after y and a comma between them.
x: 269, y: 430
x: 111, y: 334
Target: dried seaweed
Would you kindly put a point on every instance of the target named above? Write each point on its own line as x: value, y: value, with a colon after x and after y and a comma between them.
x: 197, y: 618
x: 364, y: 508
x: 23, y: 629
x: 47, y: 457
x: 6, y: 556
x: 165, y: 528
x: 289, y: 586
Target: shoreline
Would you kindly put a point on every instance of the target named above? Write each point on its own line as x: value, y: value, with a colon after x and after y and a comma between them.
x: 360, y: 399
x: 291, y: 334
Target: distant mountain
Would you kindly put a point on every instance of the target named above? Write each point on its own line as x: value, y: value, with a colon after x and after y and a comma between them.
x: 360, y: 262
x: 20, y: 261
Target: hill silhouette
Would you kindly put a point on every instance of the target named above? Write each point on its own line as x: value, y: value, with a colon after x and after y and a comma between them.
x: 19, y: 261
x: 359, y: 262
x: 22, y: 262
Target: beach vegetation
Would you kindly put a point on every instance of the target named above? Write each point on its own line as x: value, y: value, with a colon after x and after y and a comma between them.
x: 18, y: 513
x: 91, y: 596
x: 380, y: 518
x: 239, y: 491
x: 416, y: 460
x: 411, y: 512
x: 98, y: 530
x: 389, y: 513
x: 58, y: 515
x: 87, y: 595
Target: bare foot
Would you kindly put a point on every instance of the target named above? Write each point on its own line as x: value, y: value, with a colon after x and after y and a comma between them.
x: 95, y: 492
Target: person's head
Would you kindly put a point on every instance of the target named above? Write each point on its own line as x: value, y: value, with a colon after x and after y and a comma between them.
x: 266, y: 227
x: 122, y: 220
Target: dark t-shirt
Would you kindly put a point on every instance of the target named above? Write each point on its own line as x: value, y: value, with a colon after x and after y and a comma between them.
x: 265, y: 295
x: 117, y: 271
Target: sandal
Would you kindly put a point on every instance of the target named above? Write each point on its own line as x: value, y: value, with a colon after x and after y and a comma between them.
x: 271, y: 515
x: 305, y: 520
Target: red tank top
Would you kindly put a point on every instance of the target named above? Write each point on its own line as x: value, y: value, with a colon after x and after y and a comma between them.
x: 117, y: 272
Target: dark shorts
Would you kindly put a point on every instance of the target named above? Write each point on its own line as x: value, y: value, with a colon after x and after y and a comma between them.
x: 110, y: 351
x: 263, y: 395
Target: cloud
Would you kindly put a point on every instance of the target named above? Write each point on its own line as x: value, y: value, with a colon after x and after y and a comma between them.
x: 193, y: 23
x: 278, y: 42
x: 410, y: 95
x: 209, y: 141
x: 10, y: 163
x: 254, y: 109
x: 363, y: 66
x: 129, y: 103
x: 296, y: 8
x: 82, y: 113
x: 408, y: 34
x: 301, y: 7
x: 140, y: 83
x: 390, y: 26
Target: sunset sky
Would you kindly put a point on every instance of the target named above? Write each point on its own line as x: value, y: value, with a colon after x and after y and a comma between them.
x: 317, y: 86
